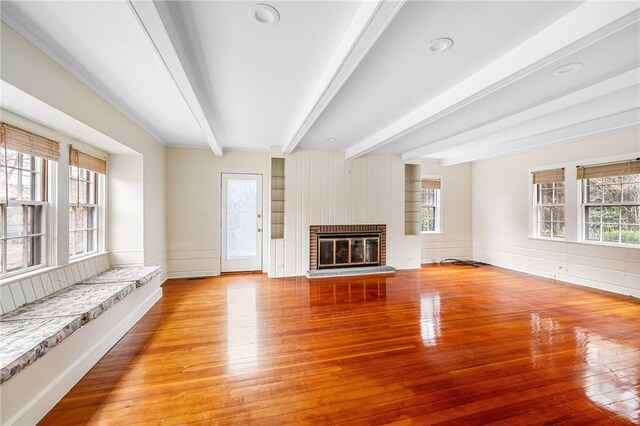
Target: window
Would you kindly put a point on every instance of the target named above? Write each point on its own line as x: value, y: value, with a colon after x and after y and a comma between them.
x: 83, y: 211
x: 611, y: 202
x: 430, y: 205
x: 84, y: 185
x: 24, y: 169
x: 549, y: 202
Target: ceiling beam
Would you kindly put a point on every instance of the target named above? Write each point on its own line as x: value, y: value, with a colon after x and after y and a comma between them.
x: 370, y: 21
x: 616, y: 122
x: 584, y: 25
x: 505, y: 128
x: 152, y: 24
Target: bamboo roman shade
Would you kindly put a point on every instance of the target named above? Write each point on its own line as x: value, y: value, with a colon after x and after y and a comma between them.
x: 548, y: 176
x: 430, y: 183
x: 29, y: 143
x: 631, y: 167
x: 83, y: 160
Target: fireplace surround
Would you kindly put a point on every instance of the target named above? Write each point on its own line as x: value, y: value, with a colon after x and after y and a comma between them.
x: 340, y: 246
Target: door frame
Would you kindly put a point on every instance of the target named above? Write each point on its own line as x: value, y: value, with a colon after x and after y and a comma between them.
x: 265, y: 209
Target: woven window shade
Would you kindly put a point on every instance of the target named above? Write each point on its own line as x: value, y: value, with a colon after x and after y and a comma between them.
x: 430, y: 183
x: 29, y: 143
x: 548, y: 176
x: 631, y: 167
x: 85, y: 161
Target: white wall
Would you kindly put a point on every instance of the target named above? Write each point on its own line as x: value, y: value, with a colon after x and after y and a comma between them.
x: 30, y: 70
x: 454, y: 238
x: 322, y: 188
x: 193, y: 206
x: 501, y: 219
x: 125, y: 241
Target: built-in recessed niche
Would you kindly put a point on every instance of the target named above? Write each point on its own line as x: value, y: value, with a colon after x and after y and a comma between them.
x: 277, y: 198
x: 412, y: 193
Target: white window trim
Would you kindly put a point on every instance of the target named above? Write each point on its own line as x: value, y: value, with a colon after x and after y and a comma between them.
x: 100, y: 220
x: 438, y: 226
x: 46, y: 232
x: 581, y: 223
x: 574, y: 215
x: 535, y: 207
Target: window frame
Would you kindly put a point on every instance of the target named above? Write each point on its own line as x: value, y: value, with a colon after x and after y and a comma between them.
x: 97, y: 206
x: 538, y: 211
x: 437, y: 205
x: 40, y: 184
x: 583, y: 223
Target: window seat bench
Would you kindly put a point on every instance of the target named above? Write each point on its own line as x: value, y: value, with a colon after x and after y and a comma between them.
x: 31, y: 332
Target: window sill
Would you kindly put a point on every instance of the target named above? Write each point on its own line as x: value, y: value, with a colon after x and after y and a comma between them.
x: 589, y: 243
x: 431, y: 232
x: 78, y: 259
x: 562, y: 240
x: 39, y: 270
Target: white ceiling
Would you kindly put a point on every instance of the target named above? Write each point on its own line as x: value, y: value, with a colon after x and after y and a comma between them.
x: 104, y: 45
x: 198, y: 73
x: 398, y: 76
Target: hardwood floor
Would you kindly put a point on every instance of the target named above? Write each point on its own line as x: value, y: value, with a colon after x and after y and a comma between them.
x: 453, y: 345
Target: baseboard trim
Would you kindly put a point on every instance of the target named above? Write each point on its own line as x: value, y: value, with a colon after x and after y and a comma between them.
x: 611, y: 288
x: 33, y: 392
x: 191, y: 274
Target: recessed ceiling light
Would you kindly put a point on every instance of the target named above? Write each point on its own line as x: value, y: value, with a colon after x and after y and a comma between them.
x: 438, y: 45
x: 568, y: 69
x: 331, y: 140
x: 264, y: 15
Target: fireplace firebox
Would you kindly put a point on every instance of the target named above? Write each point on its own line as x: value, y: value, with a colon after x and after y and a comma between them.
x: 341, y: 246
x: 335, y: 250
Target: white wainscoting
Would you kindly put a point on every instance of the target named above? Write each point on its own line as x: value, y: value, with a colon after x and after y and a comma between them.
x: 436, y: 247
x: 193, y: 259
x: 615, y: 269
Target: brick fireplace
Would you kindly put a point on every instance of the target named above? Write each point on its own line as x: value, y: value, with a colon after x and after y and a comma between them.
x: 365, y: 244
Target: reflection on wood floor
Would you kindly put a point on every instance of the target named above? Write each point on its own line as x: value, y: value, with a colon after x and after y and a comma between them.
x: 442, y: 344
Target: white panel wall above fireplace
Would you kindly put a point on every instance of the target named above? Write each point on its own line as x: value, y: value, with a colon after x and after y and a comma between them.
x: 325, y: 189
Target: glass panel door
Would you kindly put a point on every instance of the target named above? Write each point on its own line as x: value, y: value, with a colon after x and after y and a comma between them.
x: 241, y: 222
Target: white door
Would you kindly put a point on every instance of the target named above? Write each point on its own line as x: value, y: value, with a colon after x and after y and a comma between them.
x: 241, y: 222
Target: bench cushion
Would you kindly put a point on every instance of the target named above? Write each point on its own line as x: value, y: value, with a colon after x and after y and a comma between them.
x: 88, y: 302
x: 139, y: 274
x: 26, y: 340
x: 32, y: 330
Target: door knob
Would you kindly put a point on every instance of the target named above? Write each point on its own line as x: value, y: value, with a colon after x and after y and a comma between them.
x: 259, y: 229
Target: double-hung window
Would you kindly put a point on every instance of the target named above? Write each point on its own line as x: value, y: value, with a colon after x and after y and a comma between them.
x: 430, y: 205
x: 85, y: 173
x: 611, y: 202
x: 549, y: 202
x: 25, y: 160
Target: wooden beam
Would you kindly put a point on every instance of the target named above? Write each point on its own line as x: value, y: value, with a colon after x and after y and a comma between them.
x: 616, y: 122
x: 149, y: 19
x: 371, y: 20
x: 520, y: 125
